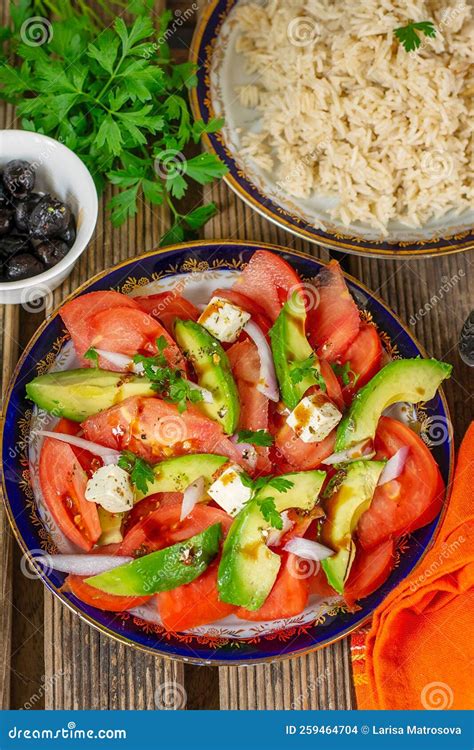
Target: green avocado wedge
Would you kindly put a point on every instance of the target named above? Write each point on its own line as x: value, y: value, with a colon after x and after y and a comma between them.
x: 248, y: 568
x: 353, y: 489
x: 79, y: 394
x: 162, y: 570
x: 291, y: 347
x: 212, y: 368
x: 175, y: 474
x: 411, y: 380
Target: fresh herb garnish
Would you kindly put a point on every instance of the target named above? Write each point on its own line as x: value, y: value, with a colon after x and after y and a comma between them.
x: 165, y: 380
x: 300, y: 370
x: 141, y: 472
x: 347, y: 375
x: 93, y: 356
x: 407, y: 35
x: 269, y: 512
x: 112, y: 94
x: 267, y: 504
x: 255, y: 437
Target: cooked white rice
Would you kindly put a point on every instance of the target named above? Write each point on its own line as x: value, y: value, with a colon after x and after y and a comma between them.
x: 346, y: 111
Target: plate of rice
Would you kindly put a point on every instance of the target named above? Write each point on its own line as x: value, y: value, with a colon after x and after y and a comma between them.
x: 347, y: 124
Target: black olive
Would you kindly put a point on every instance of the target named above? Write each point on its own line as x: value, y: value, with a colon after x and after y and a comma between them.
x: 49, y: 218
x: 19, y: 178
x: 5, y: 197
x: 69, y: 236
x: 13, y: 244
x: 23, y: 210
x: 23, y: 266
x: 6, y: 220
x: 52, y: 252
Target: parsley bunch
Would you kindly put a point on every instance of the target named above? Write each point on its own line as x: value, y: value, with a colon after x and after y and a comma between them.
x: 309, y: 366
x: 114, y: 96
x: 141, y: 472
x: 267, y: 504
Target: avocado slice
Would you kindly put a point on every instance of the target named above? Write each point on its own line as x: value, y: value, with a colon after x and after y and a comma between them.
x: 78, y: 394
x: 290, y: 347
x: 213, y: 372
x: 353, y: 489
x: 162, y: 570
x: 175, y: 474
x: 248, y: 568
x: 411, y: 380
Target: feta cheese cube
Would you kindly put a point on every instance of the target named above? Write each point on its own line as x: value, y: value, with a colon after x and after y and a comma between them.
x: 229, y: 492
x: 314, y: 418
x: 223, y: 320
x: 110, y: 487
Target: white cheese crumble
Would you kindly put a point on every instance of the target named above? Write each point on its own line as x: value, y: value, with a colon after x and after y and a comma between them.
x: 110, y: 487
x: 229, y: 492
x: 314, y: 418
x: 223, y: 320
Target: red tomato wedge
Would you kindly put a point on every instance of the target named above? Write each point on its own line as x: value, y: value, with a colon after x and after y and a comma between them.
x: 148, y: 505
x: 319, y: 586
x: 63, y: 483
x: 332, y: 323
x: 288, y: 596
x: 196, y: 603
x: 95, y: 598
x: 88, y: 461
x: 303, y: 456
x: 163, y: 527
x: 408, y: 502
x: 166, y: 307
x: 333, y: 389
x: 154, y: 430
x: 269, y: 280
x: 249, y: 305
x: 365, y: 358
x: 369, y: 570
x: 245, y: 364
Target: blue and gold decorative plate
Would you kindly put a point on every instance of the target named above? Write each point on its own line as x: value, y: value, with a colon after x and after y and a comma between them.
x: 197, y: 268
x: 220, y: 75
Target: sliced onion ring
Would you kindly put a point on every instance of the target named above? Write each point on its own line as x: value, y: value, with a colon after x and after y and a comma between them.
x: 276, y: 535
x: 192, y: 495
x: 394, y: 466
x: 108, y: 455
x: 207, y: 396
x: 361, y: 450
x: 247, y: 451
x: 268, y: 382
x: 120, y: 360
x: 307, y: 549
x: 82, y: 565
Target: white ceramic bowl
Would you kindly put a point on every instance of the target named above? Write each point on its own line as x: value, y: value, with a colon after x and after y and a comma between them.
x: 60, y: 172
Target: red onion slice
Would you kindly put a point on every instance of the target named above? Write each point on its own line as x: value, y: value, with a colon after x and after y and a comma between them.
x: 394, y: 466
x: 192, y: 495
x: 276, y: 535
x: 361, y: 450
x: 108, y: 455
x: 247, y: 451
x: 120, y: 360
x: 82, y: 565
x: 268, y: 382
x: 307, y: 549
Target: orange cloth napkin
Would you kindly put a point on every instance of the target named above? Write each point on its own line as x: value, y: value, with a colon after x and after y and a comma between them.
x: 418, y: 651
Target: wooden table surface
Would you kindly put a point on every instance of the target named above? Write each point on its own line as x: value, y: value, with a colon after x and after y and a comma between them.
x: 48, y: 657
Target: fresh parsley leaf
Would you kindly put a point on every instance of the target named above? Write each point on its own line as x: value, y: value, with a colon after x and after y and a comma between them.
x: 165, y: 380
x: 347, y: 375
x: 93, y: 356
x: 280, y: 483
x: 200, y: 216
x: 257, y: 437
x: 141, y: 472
x: 270, y: 513
x: 307, y: 367
x: 407, y: 35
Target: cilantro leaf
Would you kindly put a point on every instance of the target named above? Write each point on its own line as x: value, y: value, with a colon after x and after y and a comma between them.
x: 270, y: 513
x: 93, y: 356
x: 307, y: 367
x: 280, y: 483
x: 407, y: 35
x: 255, y: 437
x: 141, y: 472
x: 348, y: 376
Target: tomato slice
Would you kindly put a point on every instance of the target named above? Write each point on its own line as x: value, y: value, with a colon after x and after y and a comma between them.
x: 268, y: 280
x: 148, y: 505
x: 63, y: 483
x: 333, y: 388
x: 413, y: 499
x: 196, y: 603
x: 288, y: 596
x: 166, y: 307
x: 163, y: 527
x: 154, y: 429
x: 88, y: 461
x: 369, y: 570
x: 95, y: 598
x: 319, y: 586
x: 332, y: 323
x: 245, y: 363
x: 301, y: 455
x: 365, y: 358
